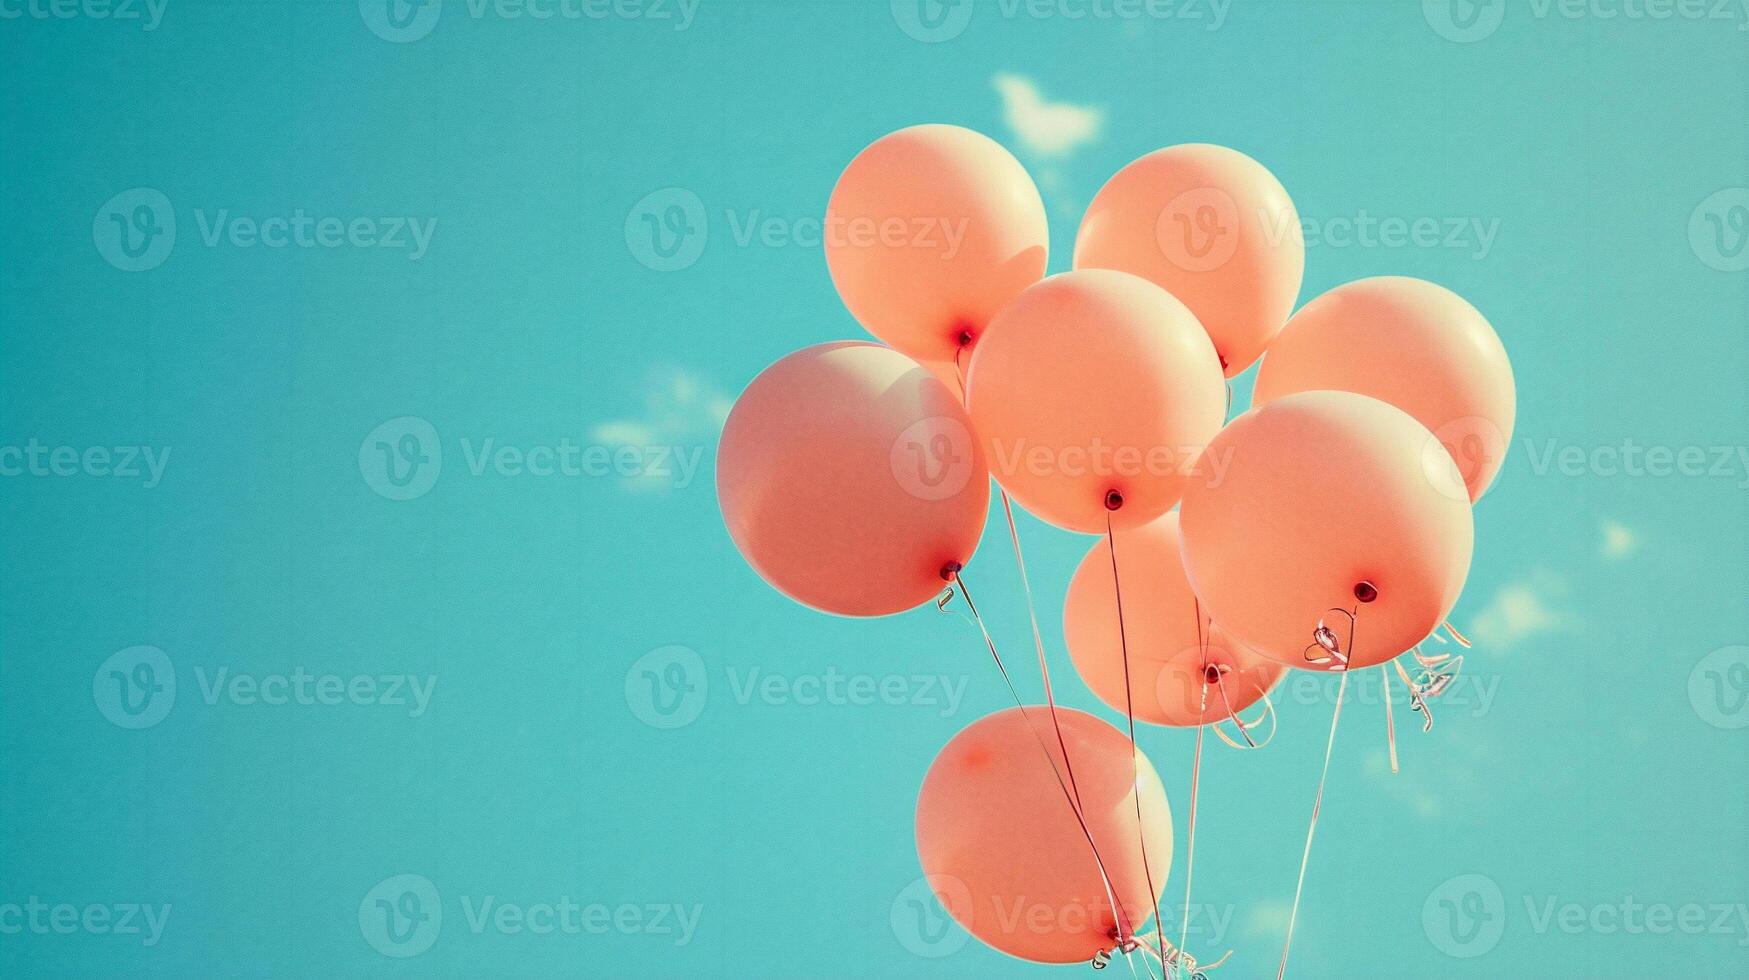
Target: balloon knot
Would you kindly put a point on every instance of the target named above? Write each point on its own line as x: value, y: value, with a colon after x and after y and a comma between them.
x: 1365, y: 591
x: 950, y: 570
x: 1113, y: 500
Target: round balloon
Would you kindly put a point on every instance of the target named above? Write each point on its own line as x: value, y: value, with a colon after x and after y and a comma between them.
x: 1169, y: 660
x: 1214, y: 228
x: 930, y: 231
x: 1001, y: 847
x: 848, y: 478
x: 1324, y: 501
x: 1095, y: 383
x: 1414, y: 344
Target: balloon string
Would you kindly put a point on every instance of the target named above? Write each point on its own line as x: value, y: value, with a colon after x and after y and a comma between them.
x: 1119, y: 913
x: 1037, y: 638
x: 1390, y: 724
x: 1462, y: 641
x: 1130, y: 717
x: 1244, y: 729
x: 941, y: 604
x: 1318, y: 801
x: 1038, y: 642
x: 1195, y: 779
x: 1177, y: 963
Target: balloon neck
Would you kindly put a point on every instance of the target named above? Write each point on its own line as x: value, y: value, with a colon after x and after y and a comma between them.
x: 1365, y: 591
x: 950, y: 571
x: 962, y: 334
x: 1113, y: 500
x: 1223, y: 358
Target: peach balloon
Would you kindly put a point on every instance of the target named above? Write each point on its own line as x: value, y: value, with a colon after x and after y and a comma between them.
x: 1093, y: 382
x: 1324, y: 491
x: 1167, y: 683
x: 848, y: 478
x: 1003, y: 851
x: 930, y: 231
x: 1214, y: 228
x: 1412, y: 343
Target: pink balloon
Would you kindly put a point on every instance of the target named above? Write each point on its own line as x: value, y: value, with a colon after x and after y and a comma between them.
x: 1321, y: 492
x: 1420, y: 347
x: 1004, y: 853
x: 848, y: 477
x: 1214, y: 228
x: 1167, y: 685
x: 930, y: 231
x: 1094, y: 382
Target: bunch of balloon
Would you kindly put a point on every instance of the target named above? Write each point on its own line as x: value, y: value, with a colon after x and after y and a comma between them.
x: 855, y: 478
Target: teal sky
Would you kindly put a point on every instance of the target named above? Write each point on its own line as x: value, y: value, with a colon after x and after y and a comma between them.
x: 425, y: 237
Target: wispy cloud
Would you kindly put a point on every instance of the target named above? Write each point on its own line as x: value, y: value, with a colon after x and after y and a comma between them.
x: 1619, y: 541
x: 1521, y: 610
x: 682, y: 412
x: 1048, y: 129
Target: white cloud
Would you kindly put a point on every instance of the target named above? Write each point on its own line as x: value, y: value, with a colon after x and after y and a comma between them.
x: 1049, y: 129
x: 1520, y: 611
x: 1619, y: 541
x: 681, y: 412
